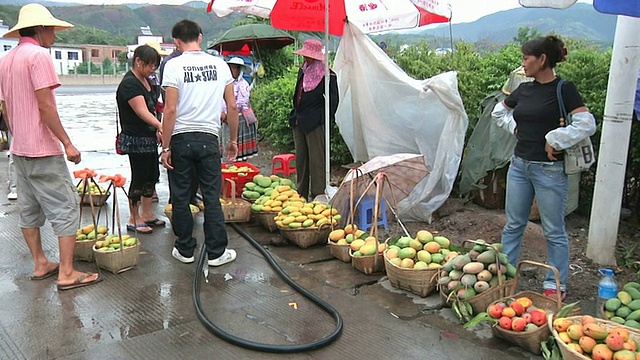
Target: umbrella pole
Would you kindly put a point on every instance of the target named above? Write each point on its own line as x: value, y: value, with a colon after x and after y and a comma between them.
x: 327, y: 117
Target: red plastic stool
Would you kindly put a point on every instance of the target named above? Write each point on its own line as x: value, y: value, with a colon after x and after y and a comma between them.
x: 281, y: 164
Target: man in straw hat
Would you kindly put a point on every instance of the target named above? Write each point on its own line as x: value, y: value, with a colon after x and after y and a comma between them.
x: 45, y: 188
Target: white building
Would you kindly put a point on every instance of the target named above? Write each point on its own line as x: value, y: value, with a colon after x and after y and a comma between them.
x: 65, y: 57
x: 145, y: 36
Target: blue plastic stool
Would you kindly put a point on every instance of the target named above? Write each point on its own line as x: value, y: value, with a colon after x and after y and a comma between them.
x: 364, y: 218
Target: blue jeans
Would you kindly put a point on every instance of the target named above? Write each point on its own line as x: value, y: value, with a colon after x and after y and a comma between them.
x: 197, y: 153
x: 550, y: 186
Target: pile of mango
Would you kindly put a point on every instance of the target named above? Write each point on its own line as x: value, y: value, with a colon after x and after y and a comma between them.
x: 89, y: 232
x: 94, y: 189
x: 193, y: 208
x: 624, y: 309
x: 475, y: 272
x: 594, y: 341
x: 360, y: 242
x: 241, y: 170
x: 296, y: 213
x: 277, y: 199
x: 423, y: 251
x: 113, y: 242
x: 264, y: 185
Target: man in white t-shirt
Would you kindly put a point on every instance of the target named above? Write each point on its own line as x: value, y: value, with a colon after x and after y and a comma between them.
x: 196, y: 84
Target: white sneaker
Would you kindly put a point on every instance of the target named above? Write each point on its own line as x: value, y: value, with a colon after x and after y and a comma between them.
x: 185, y: 260
x: 12, y: 195
x: 228, y: 256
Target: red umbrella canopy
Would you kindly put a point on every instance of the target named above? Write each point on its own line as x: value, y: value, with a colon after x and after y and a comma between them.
x: 369, y: 15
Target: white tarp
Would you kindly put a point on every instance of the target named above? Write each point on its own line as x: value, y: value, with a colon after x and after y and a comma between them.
x: 383, y: 111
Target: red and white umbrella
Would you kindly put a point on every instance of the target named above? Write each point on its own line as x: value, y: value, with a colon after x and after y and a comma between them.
x: 329, y: 16
x: 368, y: 15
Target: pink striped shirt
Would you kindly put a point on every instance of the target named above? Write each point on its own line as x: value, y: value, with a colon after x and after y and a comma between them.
x: 25, y: 69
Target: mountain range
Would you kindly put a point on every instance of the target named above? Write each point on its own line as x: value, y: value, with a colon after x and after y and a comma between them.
x: 580, y: 21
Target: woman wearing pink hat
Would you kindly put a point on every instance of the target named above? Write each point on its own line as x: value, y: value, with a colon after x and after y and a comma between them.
x: 307, y: 119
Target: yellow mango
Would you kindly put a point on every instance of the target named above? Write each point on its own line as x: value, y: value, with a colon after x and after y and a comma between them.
x: 288, y: 220
x: 274, y: 195
x: 322, y: 221
x: 87, y: 229
x: 295, y: 225
x: 276, y: 208
x: 293, y: 209
x: 295, y: 213
x: 318, y: 209
x: 276, y: 203
x: 307, y: 223
x: 301, y: 218
x: 266, y: 208
x: 326, y: 212
x: 268, y: 202
x: 281, y: 198
x: 334, y: 211
x: 279, y: 224
x: 283, y: 188
x: 306, y: 211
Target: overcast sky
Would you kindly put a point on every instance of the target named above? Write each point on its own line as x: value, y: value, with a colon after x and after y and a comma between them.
x: 463, y: 10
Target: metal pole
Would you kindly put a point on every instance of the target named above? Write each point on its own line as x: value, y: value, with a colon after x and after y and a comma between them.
x: 327, y: 117
x: 614, y: 142
x: 450, y: 26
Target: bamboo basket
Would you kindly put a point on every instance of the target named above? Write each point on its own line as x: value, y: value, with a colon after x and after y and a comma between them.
x: 83, y: 249
x: 306, y: 237
x: 481, y: 302
x: 371, y: 264
x: 235, y: 210
x: 265, y: 218
x: 340, y: 252
x: 124, y: 258
x: 97, y: 200
x: 421, y: 282
x: 570, y: 354
x: 119, y: 260
x: 531, y: 340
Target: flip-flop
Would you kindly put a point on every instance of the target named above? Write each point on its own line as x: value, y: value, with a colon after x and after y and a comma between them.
x: 47, y: 275
x: 137, y: 227
x: 79, y: 282
x: 155, y: 223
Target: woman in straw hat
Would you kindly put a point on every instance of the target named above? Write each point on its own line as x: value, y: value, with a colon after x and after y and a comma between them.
x: 307, y: 119
x: 45, y: 188
x: 247, y: 128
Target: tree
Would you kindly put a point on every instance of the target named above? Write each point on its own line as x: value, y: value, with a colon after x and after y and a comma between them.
x: 525, y: 34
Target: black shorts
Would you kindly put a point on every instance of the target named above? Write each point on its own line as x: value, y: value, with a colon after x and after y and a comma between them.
x: 145, y: 173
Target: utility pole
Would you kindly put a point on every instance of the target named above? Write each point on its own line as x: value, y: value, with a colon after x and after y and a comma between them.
x: 614, y: 142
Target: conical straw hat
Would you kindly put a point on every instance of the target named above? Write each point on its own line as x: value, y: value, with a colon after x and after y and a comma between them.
x: 35, y: 15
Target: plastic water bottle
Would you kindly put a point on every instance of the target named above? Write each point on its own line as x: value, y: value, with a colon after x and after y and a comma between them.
x: 607, y: 288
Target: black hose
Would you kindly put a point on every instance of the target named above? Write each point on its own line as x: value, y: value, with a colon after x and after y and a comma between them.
x: 252, y: 345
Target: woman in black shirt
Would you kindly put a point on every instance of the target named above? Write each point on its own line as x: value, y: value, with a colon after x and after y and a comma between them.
x: 138, y: 138
x: 532, y: 114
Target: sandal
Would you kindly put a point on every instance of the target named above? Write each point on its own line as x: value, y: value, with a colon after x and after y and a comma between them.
x: 47, y: 275
x: 155, y: 223
x: 137, y: 228
x: 79, y: 282
x: 553, y: 293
